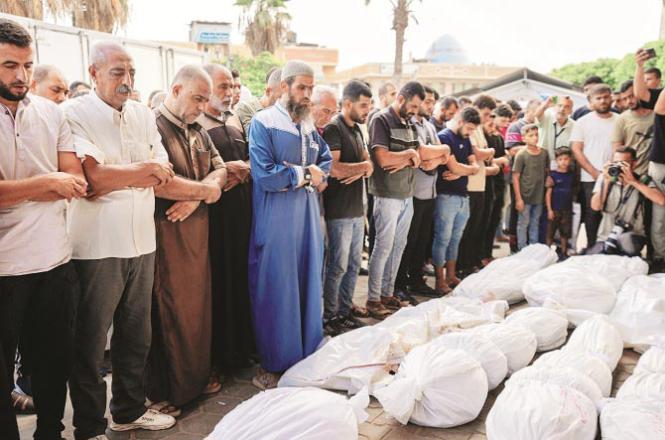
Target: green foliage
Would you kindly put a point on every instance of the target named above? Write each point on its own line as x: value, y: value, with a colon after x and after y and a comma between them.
x: 253, y: 70
x: 613, y: 71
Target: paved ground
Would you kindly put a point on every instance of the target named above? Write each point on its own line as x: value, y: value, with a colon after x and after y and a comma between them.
x: 199, y: 419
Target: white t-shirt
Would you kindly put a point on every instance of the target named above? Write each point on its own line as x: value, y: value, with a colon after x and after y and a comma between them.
x: 596, y: 134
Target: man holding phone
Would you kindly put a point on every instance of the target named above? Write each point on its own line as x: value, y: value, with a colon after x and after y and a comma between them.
x: 654, y: 99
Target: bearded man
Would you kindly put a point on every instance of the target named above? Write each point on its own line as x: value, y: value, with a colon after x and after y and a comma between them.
x: 288, y: 160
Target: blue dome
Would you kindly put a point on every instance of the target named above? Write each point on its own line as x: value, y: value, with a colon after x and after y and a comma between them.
x: 446, y: 49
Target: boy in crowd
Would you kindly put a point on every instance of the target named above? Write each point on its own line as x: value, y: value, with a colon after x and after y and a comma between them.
x: 529, y: 173
x: 559, y: 200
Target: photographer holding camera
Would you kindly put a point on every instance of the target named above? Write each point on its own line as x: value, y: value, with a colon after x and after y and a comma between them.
x: 620, y: 194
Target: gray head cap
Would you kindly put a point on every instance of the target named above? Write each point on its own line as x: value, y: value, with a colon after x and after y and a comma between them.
x: 295, y: 68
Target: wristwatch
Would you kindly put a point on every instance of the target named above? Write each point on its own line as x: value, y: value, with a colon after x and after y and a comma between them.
x: 308, y: 176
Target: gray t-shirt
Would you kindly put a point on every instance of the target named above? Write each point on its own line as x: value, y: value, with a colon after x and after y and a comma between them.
x: 532, y: 169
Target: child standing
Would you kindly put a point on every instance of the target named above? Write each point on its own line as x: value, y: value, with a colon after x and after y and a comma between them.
x: 529, y: 173
x: 559, y: 200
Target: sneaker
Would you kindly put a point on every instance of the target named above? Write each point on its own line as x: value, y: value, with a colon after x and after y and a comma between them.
x: 392, y: 303
x: 403, y: 296
x: 151, y: 420
x: 377, y: 310
x: 346, y: 323
x: 331, y: 327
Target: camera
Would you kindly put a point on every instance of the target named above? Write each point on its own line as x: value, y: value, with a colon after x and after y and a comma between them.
x: 614, y: 170
x: 612, y: 242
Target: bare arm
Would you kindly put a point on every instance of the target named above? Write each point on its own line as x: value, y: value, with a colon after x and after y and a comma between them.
x: 598, y: 199
x: 519, y: 203
x: 640, y: 88
x: 342, y: 170
x: 387, y: 159
x: 483, y: 153
x: 542, y: 108
x: 578, y: 151
x: 548, y: 199
x: 428, y: 152
x: 107, y: 178
x: 181, y: 188
x: 462, y: 169
x: 68, y: 183
x: 492, y: 170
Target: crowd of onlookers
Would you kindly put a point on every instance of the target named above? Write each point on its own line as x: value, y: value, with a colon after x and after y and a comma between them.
x: 207, y: 230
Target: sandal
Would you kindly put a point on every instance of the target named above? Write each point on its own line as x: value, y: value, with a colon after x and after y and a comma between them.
x: 22, y: 403
x: 171, y: 410
x: 392, y: 303
x: 265, y: 380
x: 377, y: 310
x: 213, y: 387
x: 359, y: 312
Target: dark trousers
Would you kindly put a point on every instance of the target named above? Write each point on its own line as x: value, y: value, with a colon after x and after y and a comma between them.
x: 118, y: 291
x: 418, y: 245
x: 371, y: 233
x: 472, y: 239
x: 40, y: 309
x: 591, y: 218
x: 8, y: 428
x: 493, y: 216
x: 512, y: 224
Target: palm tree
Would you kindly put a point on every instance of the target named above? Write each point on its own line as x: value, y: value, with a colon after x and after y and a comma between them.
x: 99, y: 15
x: 266, y: 24
x: 401, y: 14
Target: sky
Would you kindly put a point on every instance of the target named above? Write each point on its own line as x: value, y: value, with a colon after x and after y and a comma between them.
x: 539, y: 34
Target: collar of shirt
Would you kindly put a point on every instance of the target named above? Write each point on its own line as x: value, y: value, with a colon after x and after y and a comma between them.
x: 22, y: 104
x: 109, y: 112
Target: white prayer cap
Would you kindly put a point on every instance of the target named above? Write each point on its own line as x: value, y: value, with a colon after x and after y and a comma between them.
x: 295, y: 68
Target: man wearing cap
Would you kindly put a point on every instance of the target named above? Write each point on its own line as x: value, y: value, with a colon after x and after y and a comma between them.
x: 289, y: 160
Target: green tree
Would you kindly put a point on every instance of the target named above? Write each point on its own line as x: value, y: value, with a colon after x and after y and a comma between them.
x: 253, y: 70
x: 266, y: 24
x: 402, y: 13
x: 102, y: 16
x: 613, y: 71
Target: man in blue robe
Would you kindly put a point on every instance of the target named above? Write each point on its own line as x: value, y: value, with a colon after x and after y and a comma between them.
x: 288, y: 160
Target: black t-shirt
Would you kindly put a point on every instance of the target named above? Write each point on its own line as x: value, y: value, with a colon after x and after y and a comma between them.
x: 657, y: 153
x: 341, y: 200
x: 496, y: 141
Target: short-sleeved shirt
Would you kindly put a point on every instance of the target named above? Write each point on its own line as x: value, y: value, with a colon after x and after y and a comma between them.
x: 657, y: 153
x: 460, y: 147
x: 562, y: 191
x: 532, y: 169
x: 635, y: 131
x: 388, y: 130
x: 596, y: 134
x: 553, y: 135
x: 624, y: 204
x: 477, y: 181
x: 119, y: 224
x: 425, y: 180
x: 514, y: 134
x: 33, y: 235
x: 341, y: 200
x: 496, y: 141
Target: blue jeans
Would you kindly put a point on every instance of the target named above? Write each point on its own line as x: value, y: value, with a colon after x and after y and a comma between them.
x: 392, y: 219
x: 450, y: 216
x: 528, y: 222
x: 345, y: 246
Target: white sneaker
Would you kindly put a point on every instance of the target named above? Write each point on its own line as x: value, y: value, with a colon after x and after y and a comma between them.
x: 151, y: 420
